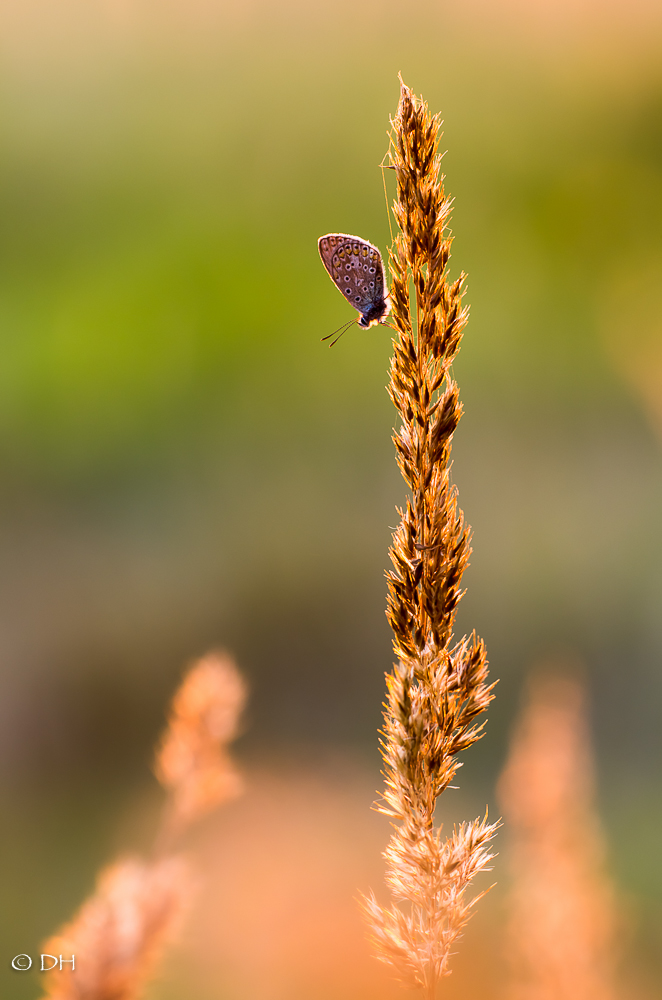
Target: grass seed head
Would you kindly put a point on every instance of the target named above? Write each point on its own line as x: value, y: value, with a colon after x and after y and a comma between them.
x: 437, y: 689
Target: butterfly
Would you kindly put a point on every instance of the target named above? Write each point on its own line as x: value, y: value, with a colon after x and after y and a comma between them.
x: 356, y: 268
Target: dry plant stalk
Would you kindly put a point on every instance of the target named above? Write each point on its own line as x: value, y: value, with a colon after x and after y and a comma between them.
x: 562, y: 927
x: 192, y: 761
x: 436, y: 689
x: 119, y: 933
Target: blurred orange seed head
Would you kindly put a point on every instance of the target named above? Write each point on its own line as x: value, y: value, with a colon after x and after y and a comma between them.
x: 562, y: 925
x: 118, y: 934
x: 192, y: 762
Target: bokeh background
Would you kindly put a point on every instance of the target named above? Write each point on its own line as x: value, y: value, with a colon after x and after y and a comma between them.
x: 184, y: 465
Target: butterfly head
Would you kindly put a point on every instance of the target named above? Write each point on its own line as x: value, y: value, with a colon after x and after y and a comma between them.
x: 375, y: 313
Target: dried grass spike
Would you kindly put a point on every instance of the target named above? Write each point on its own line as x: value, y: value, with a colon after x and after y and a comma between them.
x: 118, y: 934
x: 192, y: 761
x: 562, y: 929
x: 437, y: 689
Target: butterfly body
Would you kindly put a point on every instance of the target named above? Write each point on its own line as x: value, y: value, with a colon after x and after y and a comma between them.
x: 356, y: 268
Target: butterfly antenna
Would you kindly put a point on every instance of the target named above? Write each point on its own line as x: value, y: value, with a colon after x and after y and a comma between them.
x: 343, y: 329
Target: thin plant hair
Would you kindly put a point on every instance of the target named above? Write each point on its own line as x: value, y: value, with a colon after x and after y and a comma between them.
x: 437, y: 687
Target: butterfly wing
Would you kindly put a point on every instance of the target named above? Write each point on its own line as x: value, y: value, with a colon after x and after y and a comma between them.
x: 356, y: 269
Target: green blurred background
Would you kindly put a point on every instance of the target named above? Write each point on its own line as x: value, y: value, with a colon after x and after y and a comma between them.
x: 184, y: 465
